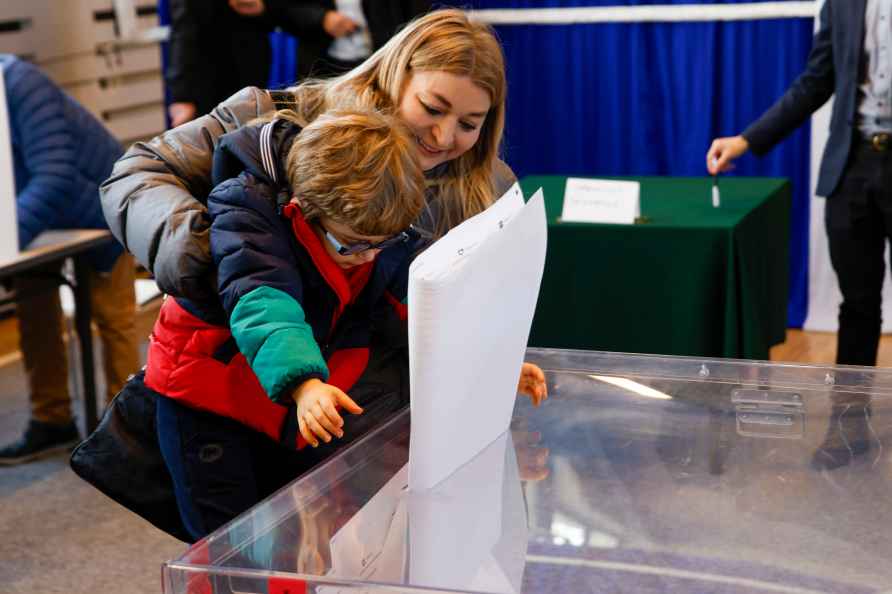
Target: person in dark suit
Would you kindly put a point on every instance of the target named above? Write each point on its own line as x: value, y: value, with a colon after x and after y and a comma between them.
x: 851, y: 58
x: 216, y: 48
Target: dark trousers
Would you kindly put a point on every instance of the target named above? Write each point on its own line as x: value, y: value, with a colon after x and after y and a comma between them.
x: 858, y: 219
x: 220, y: 468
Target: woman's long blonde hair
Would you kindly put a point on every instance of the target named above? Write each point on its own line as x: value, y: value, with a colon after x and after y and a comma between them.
x: 442, y: 40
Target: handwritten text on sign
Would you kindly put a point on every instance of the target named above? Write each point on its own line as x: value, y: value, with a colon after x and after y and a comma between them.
x: 601, y: 201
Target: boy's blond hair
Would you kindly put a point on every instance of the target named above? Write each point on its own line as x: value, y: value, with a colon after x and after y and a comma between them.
x: 357, y: 168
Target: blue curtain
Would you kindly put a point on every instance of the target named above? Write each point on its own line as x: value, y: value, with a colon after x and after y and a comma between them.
x: 284, y: 67
x: 648, y: 98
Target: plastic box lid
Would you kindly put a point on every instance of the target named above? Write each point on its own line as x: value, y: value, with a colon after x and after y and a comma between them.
x: 638, y: 474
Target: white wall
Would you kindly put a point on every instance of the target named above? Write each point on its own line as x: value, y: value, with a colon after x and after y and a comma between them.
x: 77, y: 43
x: 9, y: 232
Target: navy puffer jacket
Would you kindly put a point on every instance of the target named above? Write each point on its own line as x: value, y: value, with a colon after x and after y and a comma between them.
x: 61, y: 153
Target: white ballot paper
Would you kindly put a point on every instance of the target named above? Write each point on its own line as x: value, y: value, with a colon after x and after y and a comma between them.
x: 601, y: 201
x: 9, y: 228
x: 469, y: 533
x: 472, y: 296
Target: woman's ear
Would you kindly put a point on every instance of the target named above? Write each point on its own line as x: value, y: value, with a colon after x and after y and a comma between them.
x: 295, y: 200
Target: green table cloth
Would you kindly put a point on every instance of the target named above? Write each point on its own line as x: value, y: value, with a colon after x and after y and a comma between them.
x: 689, y: 280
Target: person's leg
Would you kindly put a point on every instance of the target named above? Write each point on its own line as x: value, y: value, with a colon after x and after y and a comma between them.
x: 856, y: 237
x: 113, y: 299
x: 41, y: 330
x: 857, y: 233
x: 211, y: 462
x: 51, y: 427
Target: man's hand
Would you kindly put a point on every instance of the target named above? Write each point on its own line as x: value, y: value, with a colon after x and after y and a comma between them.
x: 532, y: 383
x: 723, y: 151
x: 248, y: 8
x: 180, y: 113
x: 317, y: 417
x: 338, y: 24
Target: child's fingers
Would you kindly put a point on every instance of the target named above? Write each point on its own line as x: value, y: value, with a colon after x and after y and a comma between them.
x: 332, y: 413
x: 536, y: 396
x: 323, y: 419
x: 536, y: 372
x: 316, y: 428
x: 537, y: 391
x: 347, y: 403
x: 306, y: 433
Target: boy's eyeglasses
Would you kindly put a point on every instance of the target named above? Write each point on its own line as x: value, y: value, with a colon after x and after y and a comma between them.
x: 362, y: 246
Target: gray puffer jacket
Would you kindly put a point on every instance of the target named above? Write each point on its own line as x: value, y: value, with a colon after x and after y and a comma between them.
x: 155, y: 199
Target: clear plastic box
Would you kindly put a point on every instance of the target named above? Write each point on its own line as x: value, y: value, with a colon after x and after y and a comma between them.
x: 638, y: 474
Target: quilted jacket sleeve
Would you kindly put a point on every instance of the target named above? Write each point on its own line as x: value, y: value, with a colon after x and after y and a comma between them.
x: 155, y: 199
x: 47, y: 146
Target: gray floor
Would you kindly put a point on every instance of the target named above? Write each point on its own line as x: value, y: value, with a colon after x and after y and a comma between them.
x: 57, y: 533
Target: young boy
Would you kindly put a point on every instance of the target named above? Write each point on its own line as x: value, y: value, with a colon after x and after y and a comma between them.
x: 311, y: 239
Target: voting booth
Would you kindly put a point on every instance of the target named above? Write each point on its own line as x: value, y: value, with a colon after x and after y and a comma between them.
x: 9, y: 230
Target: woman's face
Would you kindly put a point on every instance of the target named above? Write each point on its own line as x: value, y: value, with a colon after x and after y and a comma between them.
x: 445, y: 112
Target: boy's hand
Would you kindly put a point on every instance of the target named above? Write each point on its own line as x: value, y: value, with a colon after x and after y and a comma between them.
x: 317, y: 416
x: 532, y: 383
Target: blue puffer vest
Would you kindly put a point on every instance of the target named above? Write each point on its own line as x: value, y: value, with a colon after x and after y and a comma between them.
x: 61, y: 153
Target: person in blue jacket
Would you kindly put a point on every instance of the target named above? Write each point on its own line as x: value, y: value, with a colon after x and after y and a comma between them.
x: 61, y: 154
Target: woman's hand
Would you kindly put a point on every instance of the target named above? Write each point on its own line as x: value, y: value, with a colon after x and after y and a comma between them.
x: 317, y: 417
x: 532, y: 383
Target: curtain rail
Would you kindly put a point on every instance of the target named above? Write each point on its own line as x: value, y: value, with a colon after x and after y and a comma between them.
x: 648, y: 13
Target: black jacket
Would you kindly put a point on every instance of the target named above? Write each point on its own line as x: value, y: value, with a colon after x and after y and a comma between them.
x: 215, y: 52
x: 833, y: 66
x: 303, y: 19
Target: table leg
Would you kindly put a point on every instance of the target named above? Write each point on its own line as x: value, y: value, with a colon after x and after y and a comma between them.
x: 82, y: 318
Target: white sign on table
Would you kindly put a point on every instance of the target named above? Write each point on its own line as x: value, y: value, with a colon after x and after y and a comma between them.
x: 9, y: 228
x: 601, y: 201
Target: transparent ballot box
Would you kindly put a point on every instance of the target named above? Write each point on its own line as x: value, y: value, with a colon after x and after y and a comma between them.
x: 638, y: 474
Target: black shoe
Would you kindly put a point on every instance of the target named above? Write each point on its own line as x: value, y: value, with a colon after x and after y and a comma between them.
x: 848, y: 436
x: 40, y: 439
